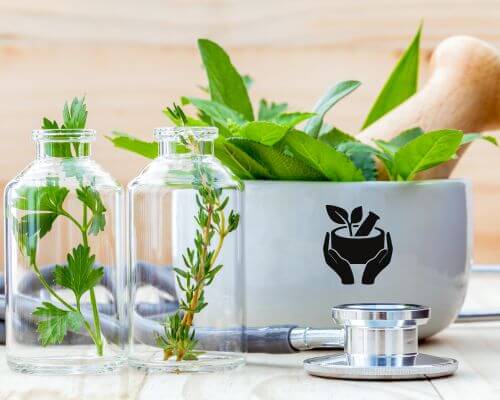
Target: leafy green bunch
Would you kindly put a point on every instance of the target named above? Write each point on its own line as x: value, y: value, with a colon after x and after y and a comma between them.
x: 200, y: 262
x: 274, y: 143
x: 40, y: 207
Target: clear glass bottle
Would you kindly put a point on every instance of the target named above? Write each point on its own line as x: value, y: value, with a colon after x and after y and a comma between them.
x: 186, y: 296
x: 65, y: 264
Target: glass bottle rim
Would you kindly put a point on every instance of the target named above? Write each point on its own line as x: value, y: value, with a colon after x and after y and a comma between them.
x: 172, y: 133
x: 64, y: 135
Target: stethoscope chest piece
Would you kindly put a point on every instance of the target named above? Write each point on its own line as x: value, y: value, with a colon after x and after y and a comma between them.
x: 381, y: 343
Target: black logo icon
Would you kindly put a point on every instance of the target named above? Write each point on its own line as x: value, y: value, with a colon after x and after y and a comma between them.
x: 356, y: 241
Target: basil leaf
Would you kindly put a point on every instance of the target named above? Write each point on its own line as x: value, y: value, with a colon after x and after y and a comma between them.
x: 225, y: 84
x: 332, y: 163
x: 425, y: 152
x: 332, y: 97
x: 401, y: 85
x: 362, y: 156
x: 280, y: 165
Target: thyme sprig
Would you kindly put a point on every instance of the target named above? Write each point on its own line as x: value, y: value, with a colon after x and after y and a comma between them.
x: 200, y: 261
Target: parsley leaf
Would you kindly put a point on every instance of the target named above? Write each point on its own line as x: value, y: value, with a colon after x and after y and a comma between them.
x: 43, y: 205
x: 92, y: 199
x: 79, y: 275
x: 75, y: 116
x: 55, y: 323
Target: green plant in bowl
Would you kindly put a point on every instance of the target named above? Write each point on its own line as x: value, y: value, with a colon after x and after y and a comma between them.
x: 273, y: 143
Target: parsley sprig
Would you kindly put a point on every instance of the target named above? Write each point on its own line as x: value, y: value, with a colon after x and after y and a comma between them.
x: 42, y: 206
x: 200, y: 261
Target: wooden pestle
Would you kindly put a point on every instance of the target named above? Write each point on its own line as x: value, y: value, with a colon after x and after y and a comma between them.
x: 463, y: 92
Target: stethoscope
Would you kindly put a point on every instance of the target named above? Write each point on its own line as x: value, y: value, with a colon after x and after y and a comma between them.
x: 397, y: 320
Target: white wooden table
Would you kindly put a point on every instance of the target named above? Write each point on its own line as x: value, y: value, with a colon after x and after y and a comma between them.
x: 274, y: 377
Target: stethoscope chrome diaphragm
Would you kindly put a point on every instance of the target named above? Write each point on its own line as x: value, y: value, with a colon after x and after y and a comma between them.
x: 381, y: 343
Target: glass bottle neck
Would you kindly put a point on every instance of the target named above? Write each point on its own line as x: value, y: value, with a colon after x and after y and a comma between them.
x: 61, y: 149
x: 174, y: 148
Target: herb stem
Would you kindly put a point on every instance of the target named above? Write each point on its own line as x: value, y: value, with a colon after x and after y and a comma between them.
x: 49, y: 288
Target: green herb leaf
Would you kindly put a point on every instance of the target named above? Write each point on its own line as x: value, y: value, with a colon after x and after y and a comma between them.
x: 239, y: 162
x: 133, y: 144
x: 75, y: 116
x: 225, y: 84
x: 332, y: 97
x: 92, y: 199
x: 292, y: 119
x: 281, y: 166
x: 320, y: 156
x: 335, y: 136
x: 55, y: 323
x: 79, y: 275
x: 263, y: 132
x: 362, y: 156
x: 220, y: 114
x: 426, y: 151
x: 269, y: 111
x: 470, y: 137
x: 42, y: 205
x: 401, y: 85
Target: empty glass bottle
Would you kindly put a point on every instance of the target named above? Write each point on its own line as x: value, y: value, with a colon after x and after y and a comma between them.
x: 186, y: 293
x: 64, y: 260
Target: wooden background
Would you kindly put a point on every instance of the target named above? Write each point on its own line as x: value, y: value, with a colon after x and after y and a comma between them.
x: 131, y: 58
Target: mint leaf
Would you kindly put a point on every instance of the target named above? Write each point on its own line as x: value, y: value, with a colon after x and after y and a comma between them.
x: 332, y: 164
x: 133, y: 144
x: 470, y: 137
x: 426, y: 151
x: 269, y: 111
x: 401, y: 85
x: 329, y: 99
x: 225, y: 84
x: 280, y: 165
x: 54, y: 323
x: 79, y: 275
x: 92, y: 199
x: 292, y: 119
x: 263, y: 132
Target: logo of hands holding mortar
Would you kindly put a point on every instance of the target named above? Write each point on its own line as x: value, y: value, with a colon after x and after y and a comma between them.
x: 356, y: 241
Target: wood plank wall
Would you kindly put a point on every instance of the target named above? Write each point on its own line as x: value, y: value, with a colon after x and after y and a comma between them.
x: 131, y: 58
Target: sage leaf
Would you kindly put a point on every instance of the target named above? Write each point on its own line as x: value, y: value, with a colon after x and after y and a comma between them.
x: 401, y: 84
x: 329, y: 99
x: 337, y: 214
x: 330, y: 162
x: 426, y: 151
x: 281, y: 166
x: 225, y: 84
